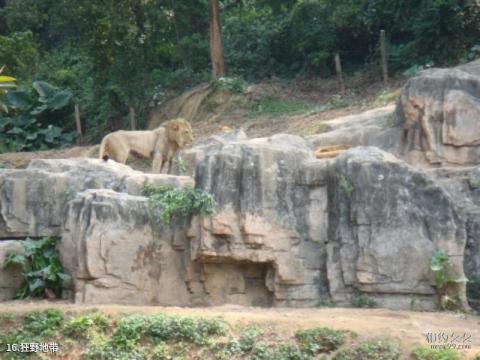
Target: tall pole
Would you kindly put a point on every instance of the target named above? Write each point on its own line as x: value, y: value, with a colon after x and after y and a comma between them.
x: 216, y: 48
x: 383, y: 52
x: 78, y: 124
x: 133, y: 124
x: 338, y: 69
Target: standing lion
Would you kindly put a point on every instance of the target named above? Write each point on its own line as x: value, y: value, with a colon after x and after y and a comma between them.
x: 161, y: 144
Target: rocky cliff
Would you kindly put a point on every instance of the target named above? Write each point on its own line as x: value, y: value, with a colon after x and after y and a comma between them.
x: 289, y: 229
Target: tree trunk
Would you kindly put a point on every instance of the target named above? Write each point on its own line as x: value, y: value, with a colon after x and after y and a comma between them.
x: 216, y: 48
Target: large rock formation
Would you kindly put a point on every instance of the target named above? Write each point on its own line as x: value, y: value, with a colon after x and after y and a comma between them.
x: 32, y: 200
x: 386, y: 220
x: 289, y: 230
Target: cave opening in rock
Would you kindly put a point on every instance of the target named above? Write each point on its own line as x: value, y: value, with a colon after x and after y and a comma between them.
x: 241, y: 283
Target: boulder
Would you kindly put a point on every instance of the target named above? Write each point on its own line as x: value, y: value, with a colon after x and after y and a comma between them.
x: 116, y: 255
x: 378, y: 127
x: 440, y: 110
x: 10, y: 278
x: 267, y: 214
x: 32, y: 200
x: 386, y: 221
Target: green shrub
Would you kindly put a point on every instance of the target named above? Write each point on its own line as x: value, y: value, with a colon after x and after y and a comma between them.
x: 371, y: 350
x: 289, y: 351
x: 86, y: 324
x: 37, y: 326
x: 233, y: 84
x: 446, y: 281
x: 426, y: 353
x: 362, y: 301
x: 321, y: 339
x: 164, y: 328
x: 19, y: 53
x: 42, y: 271
x: 29, y: 123
x: 168, y: 202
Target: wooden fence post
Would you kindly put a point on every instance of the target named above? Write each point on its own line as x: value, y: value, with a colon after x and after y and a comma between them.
x: 78, y: 123
x: 338, y: 69
x: 133, y: 124
x: 383, y: 53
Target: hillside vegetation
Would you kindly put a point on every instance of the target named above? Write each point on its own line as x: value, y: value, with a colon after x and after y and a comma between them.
x: 116, y: 58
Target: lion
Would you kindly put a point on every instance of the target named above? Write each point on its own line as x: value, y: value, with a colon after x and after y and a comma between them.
x: 161, y: 144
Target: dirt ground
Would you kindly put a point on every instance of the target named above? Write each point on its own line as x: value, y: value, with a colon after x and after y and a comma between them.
x: 407, y: 328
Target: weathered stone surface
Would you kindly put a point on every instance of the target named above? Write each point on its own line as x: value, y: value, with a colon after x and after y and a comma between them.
x: 267, y: 214
x: 386, y: 220
x: 289, y: 229
x: 116, y: 255
x: 463, y: 185
x: 32, y: 200
x: 10, y: 278
x: 378, y: 127
x: 439, y: 110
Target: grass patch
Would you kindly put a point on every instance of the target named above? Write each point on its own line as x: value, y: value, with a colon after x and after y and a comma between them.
x: 321, y: 339
x: 387, y: 96
x: 93, y: 335
x: 371, y: 350
x: 362, y: 301
x: 426, y: 353
x: 275, y: 106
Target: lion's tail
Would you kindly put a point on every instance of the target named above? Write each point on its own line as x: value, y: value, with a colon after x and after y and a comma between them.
x: 104, y: 150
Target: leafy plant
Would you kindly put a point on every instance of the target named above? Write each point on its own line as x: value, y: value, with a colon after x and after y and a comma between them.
x: 446, y: 281
x: 29, y: 123
x: 233, y: 84
x: 360, y: 300
x: 86, y: 324
x: 42, y: 271
x: 168, y: 202
x: 426, y: 353
x: 289, y: 351
x: 370, y: 349
x: 37, y: 326
x: 181, y: 165
x: 345, y: 186
x: 321, y: 339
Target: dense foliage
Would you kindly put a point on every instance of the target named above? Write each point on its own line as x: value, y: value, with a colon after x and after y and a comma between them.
x: 117, y: 54
x: 42, y: 271
x: 33, y: 118
x: 167, y: 202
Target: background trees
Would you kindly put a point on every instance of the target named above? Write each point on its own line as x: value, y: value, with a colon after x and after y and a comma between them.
x: 117, y: 54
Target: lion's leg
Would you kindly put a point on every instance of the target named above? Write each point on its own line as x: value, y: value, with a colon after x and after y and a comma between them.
x: 157, y: 163
x: 120, y: 154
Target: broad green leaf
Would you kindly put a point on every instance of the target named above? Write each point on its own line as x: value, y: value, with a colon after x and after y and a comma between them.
x: 17, y: 100
x: 38, y: 110
x: 59, y: 100
x: 44, y: 89
x: 15, y: 131
x: 36, y: 285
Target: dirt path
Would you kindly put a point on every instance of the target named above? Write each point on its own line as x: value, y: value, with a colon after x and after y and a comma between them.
x: 405, y: 327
